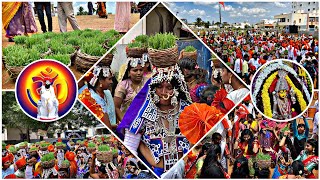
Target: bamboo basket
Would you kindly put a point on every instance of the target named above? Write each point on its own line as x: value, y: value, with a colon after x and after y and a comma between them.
x: 84, y: 61
x: 105, y: 156
x: 14, y: 71
x: 91, y: 149
x: 192, y: 55
x: 48, y: 164
x: 163, y: 58
x: 136, y: 52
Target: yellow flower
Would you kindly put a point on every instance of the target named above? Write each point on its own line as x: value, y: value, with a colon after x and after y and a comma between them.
x: 302, y: 102
x: 265, y: 95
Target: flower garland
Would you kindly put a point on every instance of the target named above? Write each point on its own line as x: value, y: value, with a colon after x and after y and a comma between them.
x: 265, y: 95
x: 302, y: 102
x: 265, y: 71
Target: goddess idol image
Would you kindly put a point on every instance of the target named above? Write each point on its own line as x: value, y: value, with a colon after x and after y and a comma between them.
x: 281, y: 90
x: 48, y: 103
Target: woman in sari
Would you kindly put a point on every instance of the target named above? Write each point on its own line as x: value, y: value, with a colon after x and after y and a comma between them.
x: 154, y: 132
x: 17, y: 19
x: 97, y: 96
x: 122, y: 18
x: 194, y: 76
x: 132, y: 82
x: 102, y: 11
x: 309, y: 158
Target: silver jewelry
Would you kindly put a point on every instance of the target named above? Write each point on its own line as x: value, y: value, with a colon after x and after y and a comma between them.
x: 156, y: 98
x: 174, y: 99
x: 106, y: 72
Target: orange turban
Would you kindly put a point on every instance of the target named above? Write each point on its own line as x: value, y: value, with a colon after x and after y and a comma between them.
x: 70, y: 156
x: 51, y: 148
x: 221, y: 101
x: 21, y: 162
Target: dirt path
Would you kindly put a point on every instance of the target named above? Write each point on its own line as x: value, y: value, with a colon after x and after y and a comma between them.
x: 92, y: 22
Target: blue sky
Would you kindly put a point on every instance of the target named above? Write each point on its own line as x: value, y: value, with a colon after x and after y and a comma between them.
x: 110, y: 6
x: 234, y: 12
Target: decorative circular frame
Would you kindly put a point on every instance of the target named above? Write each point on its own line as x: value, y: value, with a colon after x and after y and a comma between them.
x: 30, y: 81
x: 262, y: 75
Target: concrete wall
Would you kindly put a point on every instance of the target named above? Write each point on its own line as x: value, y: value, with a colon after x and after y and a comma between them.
x: 153, y: 23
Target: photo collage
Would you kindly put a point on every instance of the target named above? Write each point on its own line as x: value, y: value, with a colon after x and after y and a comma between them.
x: 160, y: 90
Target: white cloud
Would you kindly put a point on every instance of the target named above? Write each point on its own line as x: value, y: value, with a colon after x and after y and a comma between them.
x: 236, y: 14
x: 239, y: 2
x: 251, y: 11
x: 170, y: 4
x: 204, y: 3
x: 226, y: 7
x: 279, y: 4
x: 229, y: 8
x: 262, y: 15
x: 197, y: 12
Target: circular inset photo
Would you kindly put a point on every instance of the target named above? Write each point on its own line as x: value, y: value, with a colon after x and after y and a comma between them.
x: 281, y: 90
x: 46, y: 90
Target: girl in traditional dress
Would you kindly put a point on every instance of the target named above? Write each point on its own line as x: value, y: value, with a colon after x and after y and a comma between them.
x: 309, y: 158
x: 248, y: 147
x: 102, y: 11
x: 156, y: 123
x: 132, y: 82
x: 211, y: 166
x: 300, y: 133
x: 122, y: 18
x: 98, y: 90
x: 18, y: 19
x: 194, y: 76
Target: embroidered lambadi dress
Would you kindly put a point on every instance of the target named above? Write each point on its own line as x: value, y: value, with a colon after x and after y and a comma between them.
x: 162, y: 142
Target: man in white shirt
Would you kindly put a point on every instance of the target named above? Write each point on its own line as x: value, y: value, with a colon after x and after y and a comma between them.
x: 238, y: 66
x: 254, y: 61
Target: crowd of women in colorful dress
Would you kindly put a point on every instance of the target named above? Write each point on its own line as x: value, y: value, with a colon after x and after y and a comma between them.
x: 146, y: 104
x: 255, y: 147
x: 97, y: 157
x: 247, y: 50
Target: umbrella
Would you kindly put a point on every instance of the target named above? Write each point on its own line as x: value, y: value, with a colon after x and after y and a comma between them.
x: 197, y: 119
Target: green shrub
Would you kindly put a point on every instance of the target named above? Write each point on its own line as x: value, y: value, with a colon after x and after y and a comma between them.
x: 103, y: 148
x: 162, y: 41
x: 64, y: 58
x: 48, y: 157
x: 190, y: 49
x: 20, y: 39
x: 91, y: 144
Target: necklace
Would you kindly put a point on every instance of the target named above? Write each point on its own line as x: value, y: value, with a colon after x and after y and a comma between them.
x: 191, y: 82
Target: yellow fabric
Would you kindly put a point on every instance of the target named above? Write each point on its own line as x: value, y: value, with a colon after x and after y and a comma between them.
x: 38, y: 168
x: 122, y: 70
x: 253, y: 124
x: 9, y: 9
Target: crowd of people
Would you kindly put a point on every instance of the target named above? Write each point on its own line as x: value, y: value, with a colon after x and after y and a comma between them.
x: 145, y: 105
x: 247, y: 50
x: 255, y: 148
x: 74, y: 159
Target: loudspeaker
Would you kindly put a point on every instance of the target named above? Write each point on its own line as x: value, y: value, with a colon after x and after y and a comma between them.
x: 293, y: 29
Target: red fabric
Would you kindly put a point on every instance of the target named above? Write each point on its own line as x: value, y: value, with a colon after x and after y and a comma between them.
x: 47, y: 79
x: 5, y: 159
x: 59, y: 139
x: 21, y: 162
x: 11, y: 176
x: 221, y: 96
x: 222, y: 4
x: 11, y: 157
